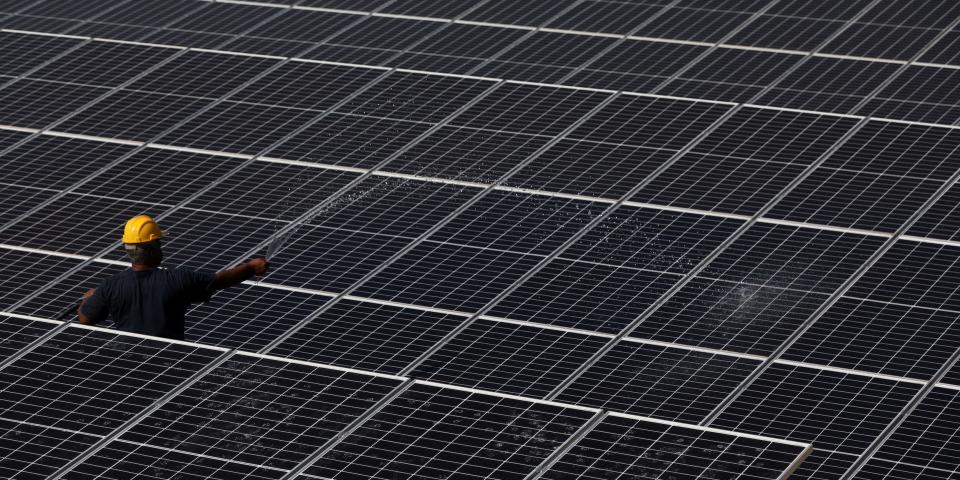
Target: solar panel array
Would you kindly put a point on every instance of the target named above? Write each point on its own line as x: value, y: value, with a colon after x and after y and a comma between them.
x: 547, y: 239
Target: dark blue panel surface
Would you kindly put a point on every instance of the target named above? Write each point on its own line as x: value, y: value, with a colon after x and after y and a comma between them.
x: 17, y: 333
x: 249, y: 317
x: 120, y: 459
x: 55, y: 226
x: 291, y: 408
x: 518, y: 222
x: 530, y: 109
x: 735, y: 316
x: 585, y: 295
x: 434, y: 431
x: 651, y: 239
x: 879, y: 337
x: 23, y: 52
x: 837, y: 411
x: 649, y: 122
x: 448, y: 276
x: 307, y: 85
x: 104, y: 63
x: 643, y: 449
x: 173, y: 176
x: 74, y: 368
x: 31, y: 452
x: 369, y: 336
x: 792, y: 257
x: 659, y: 382
x: 467, y: 154
x: 509, y: 358
x: 63, y: 295
x: 57, y: 162
x: 416, y: 97
x: 134, y: 115
x: 204, y: 74
x: 39, y: 103
x: 349, y: 140
x: 913, y: 273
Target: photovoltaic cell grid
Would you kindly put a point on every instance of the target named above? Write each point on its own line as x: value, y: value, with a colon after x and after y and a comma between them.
x: 748, y: 231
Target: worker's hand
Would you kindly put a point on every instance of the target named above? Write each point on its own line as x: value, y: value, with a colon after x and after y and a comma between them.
x: 89, y: 293
x: 259, y: 265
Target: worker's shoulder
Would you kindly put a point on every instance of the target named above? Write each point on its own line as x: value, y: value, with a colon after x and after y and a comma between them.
x: 183, y: 274
x: 119, y: 276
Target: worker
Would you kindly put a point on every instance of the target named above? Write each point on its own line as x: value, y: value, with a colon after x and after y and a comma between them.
x: 150, y: 299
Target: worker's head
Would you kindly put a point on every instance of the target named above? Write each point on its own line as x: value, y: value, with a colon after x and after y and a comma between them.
x: 141, y: 239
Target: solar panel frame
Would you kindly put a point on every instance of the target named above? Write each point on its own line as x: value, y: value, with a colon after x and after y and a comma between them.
x: 75, y: 390
x: 292, y: 408
x: 691, y: 458
x: 658, y: 381
x: 34, y: 452
x: 464, y: 440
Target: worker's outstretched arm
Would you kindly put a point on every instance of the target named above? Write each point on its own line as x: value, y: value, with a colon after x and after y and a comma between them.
x: 84, y: 319
x: 244, y: 271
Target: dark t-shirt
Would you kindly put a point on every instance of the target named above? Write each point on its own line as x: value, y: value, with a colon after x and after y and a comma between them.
x: 151, y: 302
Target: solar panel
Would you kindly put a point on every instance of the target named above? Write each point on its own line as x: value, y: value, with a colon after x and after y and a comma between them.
x: 61, y: 293
x: 291, y: 409
x: 509, y: 358
x: 35, y: 452
x: 557, y: 239
x: 369, y: 336
x: 657, y: 381
x: 835, y: 411
x: 431, y: 431
x: 124, y: 459
x: 27, y: 52
x: 24, y: 273
x: 92, y: 381
x: 921, y: 442
x: 18, y: 333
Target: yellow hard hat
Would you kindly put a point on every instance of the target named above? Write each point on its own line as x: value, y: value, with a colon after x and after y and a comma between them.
x: 141, y: 229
